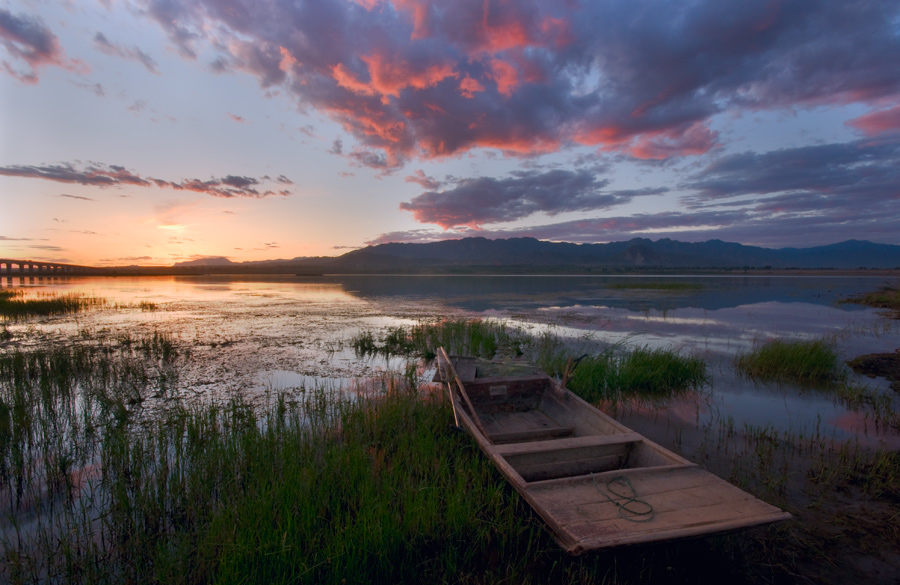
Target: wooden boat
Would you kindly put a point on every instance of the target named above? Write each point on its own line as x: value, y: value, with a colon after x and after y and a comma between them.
x: 595, y: 482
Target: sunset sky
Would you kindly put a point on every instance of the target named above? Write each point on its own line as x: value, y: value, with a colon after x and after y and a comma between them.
x: 158, y: 131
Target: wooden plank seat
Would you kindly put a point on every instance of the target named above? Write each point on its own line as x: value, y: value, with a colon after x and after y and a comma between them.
x: 573, y: 456
x: 515, y: 427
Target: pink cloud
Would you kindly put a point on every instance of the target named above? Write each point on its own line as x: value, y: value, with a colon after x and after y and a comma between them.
x: 468, y: 87
x: 878, y: 122
x: 423, y: 79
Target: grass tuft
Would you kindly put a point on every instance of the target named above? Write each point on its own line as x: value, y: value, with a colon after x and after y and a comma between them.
x: 622, y: 372
x: 801, y: 361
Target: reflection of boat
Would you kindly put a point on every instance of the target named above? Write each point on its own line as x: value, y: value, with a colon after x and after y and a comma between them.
x: 595, y: 482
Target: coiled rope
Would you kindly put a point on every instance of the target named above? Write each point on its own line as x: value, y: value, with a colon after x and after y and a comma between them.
x: 633, y: 509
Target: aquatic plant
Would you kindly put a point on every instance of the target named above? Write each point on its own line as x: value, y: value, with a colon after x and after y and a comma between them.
x: 809, y: 361
x: 625, y: 371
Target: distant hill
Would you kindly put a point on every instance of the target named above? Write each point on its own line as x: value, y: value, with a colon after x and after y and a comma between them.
x: 528, y: 255
x: 636, y: 253
x: 209, y: 261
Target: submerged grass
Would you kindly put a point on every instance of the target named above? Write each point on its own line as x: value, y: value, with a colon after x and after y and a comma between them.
x: 14, y: 305
x: 885, y: 298
x: 804, y: 361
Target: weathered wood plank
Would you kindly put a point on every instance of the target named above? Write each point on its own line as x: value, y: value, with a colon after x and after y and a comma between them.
x: 566, y: 443
x: 531, y: 435
x: 566, y: 468
x: 465, y: 368
x: 562, y: 456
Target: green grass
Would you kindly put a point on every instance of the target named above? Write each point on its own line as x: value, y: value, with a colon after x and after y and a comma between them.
x: 810, y: 361
x: 327, y: 487
x: 655, y: 285
x: 15, y: 306
x: 623, y: 371
x: 620, y: 371
x: 334, y: 486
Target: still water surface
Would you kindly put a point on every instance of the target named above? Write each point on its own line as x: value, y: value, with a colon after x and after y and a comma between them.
x: 261, y: 334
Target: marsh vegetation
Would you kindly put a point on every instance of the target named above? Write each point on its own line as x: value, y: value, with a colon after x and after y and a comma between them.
x: 805, y: 361
x: 15, y: 305
x: 108, y: 473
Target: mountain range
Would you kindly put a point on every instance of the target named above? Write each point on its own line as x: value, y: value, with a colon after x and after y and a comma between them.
x: 531, y: 255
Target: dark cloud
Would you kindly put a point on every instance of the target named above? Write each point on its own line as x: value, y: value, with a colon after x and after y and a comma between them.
x: 46, y: 248
x: 100, y: 175
x: 480, y: 200
x: 337, y: 147
x: 385, y: 163
x: 94, y: 174
x: 809, y: 178
x: 79, y: 197
x: 130, y: 53
x: 419, y: 79
x: 96, y: 88
x: 85, y: 232
x: 420, y: 178
x: 824, y: 193
x: 26, y: 39
x: 743, y: 226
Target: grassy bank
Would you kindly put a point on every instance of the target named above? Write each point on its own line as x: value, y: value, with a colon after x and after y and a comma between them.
x: 106, y: 476
x: 325, y: 487
x: 886, y: 298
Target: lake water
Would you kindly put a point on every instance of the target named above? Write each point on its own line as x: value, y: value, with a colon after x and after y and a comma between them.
x: 255, y: 335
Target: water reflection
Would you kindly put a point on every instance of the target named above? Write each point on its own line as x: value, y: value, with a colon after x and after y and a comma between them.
x: 262, y: 334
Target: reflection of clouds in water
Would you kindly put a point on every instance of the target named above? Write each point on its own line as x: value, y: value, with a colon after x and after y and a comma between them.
x: 722, y: 331
x: 864, y: 426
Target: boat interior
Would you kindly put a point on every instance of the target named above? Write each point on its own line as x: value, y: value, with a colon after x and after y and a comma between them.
x: 543, y: 434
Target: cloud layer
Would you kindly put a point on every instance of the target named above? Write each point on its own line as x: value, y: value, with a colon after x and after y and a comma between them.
x: 476, y: 201
x: 421, y: 78
x: 821, y: 193
x: 29, y: 45
x: 101, y: 175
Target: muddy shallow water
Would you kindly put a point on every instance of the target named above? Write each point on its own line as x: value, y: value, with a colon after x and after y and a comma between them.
x: 262, y: 334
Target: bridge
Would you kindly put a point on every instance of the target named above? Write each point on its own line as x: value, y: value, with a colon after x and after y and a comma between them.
x: 40, y: 268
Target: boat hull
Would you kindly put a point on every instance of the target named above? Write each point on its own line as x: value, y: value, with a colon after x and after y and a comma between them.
x: 595, y: 482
